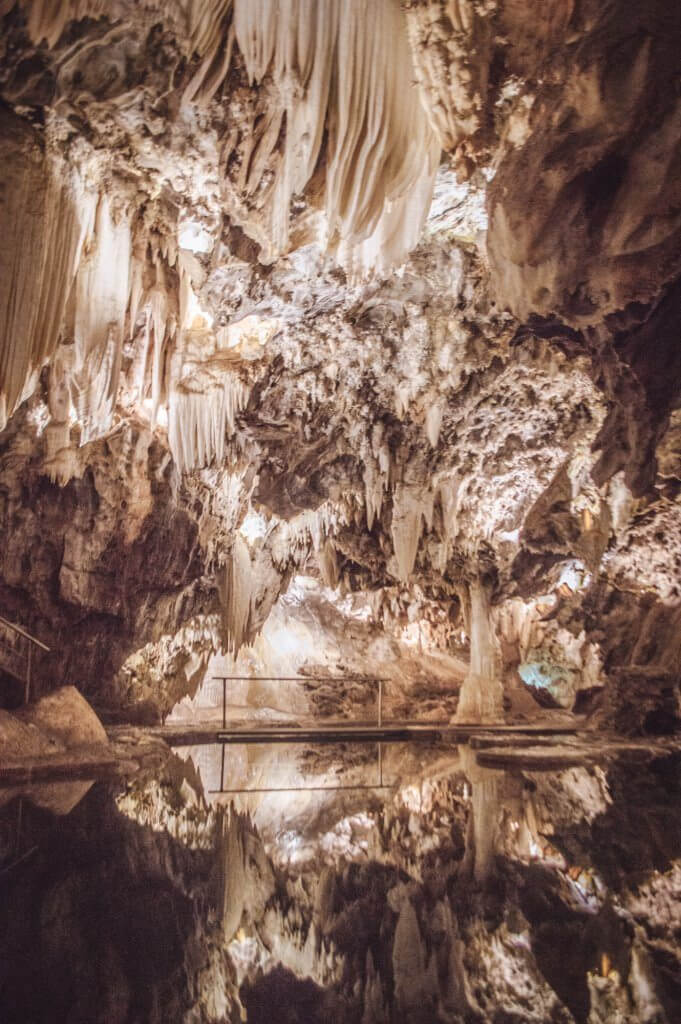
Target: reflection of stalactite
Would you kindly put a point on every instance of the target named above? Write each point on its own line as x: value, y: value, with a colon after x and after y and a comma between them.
x: 409, y: 960
x: 232, y: 867
x: 481, y: 696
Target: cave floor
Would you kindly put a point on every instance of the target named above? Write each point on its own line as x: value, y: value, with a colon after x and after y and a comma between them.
x: 538, y: 747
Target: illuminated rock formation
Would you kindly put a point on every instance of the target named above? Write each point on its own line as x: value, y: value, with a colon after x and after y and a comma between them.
x: 342, y: 339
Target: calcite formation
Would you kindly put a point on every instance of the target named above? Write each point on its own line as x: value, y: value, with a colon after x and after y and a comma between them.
x: 341, y: 339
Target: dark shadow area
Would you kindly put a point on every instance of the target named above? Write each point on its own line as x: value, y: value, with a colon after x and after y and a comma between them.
x: 98, y: 918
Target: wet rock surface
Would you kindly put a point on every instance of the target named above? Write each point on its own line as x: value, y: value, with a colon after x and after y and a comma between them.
x: 463, y: 894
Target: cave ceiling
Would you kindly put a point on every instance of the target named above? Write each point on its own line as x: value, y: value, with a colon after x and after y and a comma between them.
x: 387, y: 295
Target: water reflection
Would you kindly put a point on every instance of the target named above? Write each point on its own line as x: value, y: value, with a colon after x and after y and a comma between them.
x: 425, y: 887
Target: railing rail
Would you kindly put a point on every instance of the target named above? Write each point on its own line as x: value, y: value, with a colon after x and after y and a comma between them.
x: 301, y: 679
x: 16, y: 655
x: 23, y: 632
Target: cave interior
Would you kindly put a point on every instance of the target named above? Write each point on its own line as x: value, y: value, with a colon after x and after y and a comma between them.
x: 340, y: 498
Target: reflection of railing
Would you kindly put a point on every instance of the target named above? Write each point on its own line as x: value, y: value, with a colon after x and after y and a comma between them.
x: 379, y: 784
x: 301, y: 679
x: 17, y: 649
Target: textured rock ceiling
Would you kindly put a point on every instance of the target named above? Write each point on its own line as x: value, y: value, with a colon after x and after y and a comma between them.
x: 386, y: 295
x: 342, y: 337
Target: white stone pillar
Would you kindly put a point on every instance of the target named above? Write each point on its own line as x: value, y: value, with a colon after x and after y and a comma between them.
x: 481, y: 696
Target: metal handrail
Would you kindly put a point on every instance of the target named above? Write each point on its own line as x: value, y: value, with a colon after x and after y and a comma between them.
x: 301, y: 679
x: 24, y: 633
x: 32, y: 640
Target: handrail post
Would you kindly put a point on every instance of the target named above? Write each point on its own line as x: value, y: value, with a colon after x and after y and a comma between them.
x: 224, y: 702
x: 27, y: 688
x: 380, y: 703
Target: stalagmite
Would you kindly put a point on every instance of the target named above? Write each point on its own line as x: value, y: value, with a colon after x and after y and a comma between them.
x: 481, y: 696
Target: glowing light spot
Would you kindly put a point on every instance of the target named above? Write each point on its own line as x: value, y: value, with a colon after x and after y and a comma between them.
x: 193, y: 235
x: 253, y: 527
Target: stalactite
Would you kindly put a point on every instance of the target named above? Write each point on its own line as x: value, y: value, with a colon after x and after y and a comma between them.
x: 411, y: 506
x: 211, y: 33
x: 60, y: 455
x: 311, y: 527
x: 45, y: 213
x: 47, y: 19
x: 199, y: 422
x: 375, y: 484
x: 161, y: 322
x: 451, y: 491
x: 327, y: 559
x: 235, y: 589
x: 434, y: 422
x: 443, y: 35
x: 102, y: 295
x: 342, y: 85
x: 342, y: 76
x: 515, y: 622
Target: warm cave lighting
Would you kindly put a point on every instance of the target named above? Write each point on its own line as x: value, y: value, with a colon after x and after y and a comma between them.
x: 254, y: 526
x: 340, y: 506
x: 194, y: 236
